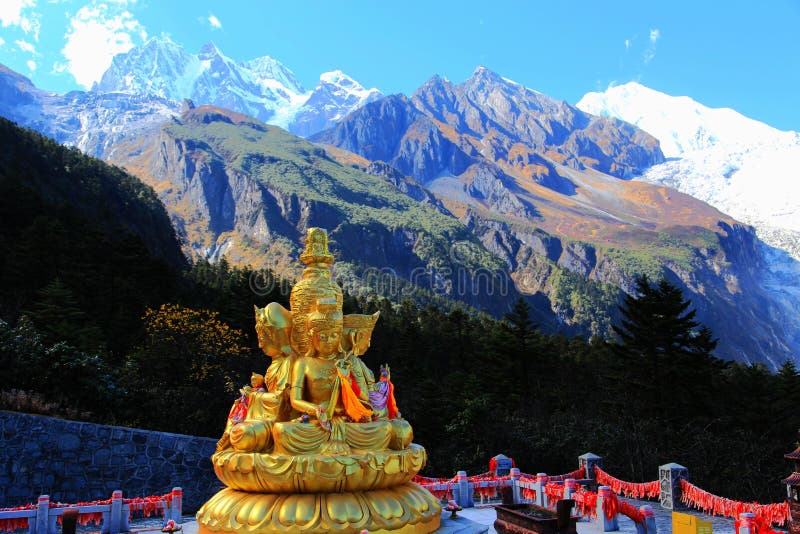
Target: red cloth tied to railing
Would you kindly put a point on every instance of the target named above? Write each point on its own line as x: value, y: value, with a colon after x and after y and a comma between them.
x: 610, y: 506
x: 626, y: 508
x: 554, y: 492
x: 691, y: 495
x: 487, y: 492
x: 429, y: 480
x: 634, y: 490
x: 578, y: 473
x: 529, y: 494
x: 586, y: 503
x: 484, y: 477
x: 14, y: 523
x: 148, y: 505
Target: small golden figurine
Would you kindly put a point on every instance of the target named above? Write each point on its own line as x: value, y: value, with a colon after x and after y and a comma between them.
x: 316, y: 443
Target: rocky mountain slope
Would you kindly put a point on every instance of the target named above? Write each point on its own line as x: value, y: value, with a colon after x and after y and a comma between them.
x: 538, y: 181
x: 262, y: 87
x: 538, y: 185
x: 240, y: 188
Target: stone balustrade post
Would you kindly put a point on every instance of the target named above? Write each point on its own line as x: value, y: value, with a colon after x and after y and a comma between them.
x: 669, y: 477
x: 116, y: 512
x: 607, y: 524
x: 462, y: 491
x: 42, y: 513
x: 514, y: 476
x: 124, y: 526
x: 747, y: 523
x: 649, y: 519
x: 539, y: 484
x: 570, y: 487
x: 588, y: 461
x: 177, y: 505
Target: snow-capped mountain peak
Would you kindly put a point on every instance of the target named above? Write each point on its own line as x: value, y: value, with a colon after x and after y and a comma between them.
x: 267, y: 68
x: 743, y: 167
x: 681, y: 124
x: 262, y: 87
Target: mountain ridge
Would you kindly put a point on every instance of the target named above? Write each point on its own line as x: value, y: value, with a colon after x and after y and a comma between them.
x: 566, y: 233
x: 262, y: 87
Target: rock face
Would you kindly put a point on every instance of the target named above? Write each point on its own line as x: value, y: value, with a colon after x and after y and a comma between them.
x: 538, y: 182
x: 237, y: 187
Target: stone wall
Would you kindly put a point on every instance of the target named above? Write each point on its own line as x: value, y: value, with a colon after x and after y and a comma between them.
x: 73, y: 462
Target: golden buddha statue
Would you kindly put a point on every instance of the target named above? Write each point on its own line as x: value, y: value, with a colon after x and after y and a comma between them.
x: 310, y: 446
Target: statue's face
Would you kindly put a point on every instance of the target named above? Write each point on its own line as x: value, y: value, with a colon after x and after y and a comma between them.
x: 326, y: 342
x: 267, y: 342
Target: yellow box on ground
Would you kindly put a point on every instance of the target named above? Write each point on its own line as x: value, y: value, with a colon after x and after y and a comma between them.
x: 689, y: 524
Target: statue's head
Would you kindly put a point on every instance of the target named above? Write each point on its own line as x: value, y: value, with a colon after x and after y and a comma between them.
x: 273, y: 326
x: 385, y: 371
x: 325, y: 328
x: 357, y: 331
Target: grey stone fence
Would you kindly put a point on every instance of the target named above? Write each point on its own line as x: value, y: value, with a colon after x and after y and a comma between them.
x: 115, y: 512
x: 75, y: 462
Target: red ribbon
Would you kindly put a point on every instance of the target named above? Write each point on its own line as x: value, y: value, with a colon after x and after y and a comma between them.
x: 635, y: 490
x: 766, y: 514
x: 586, y: 503
x: 626, y: 508
x: 554, y: 492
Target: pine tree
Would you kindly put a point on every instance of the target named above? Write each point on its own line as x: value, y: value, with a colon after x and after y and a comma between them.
x: 59, y: 317
x: 659, y: 339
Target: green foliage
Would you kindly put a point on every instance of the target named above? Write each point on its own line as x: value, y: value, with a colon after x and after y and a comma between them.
x: 71, y: 223
x: 74, y: 380
x: 676, y: 245
x: 584, y: 302
x: 184, y: 374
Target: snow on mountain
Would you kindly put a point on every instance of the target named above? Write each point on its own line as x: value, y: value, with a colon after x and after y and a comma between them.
x: 740, y: 166
x: 336, y: 95
x: 261, y: 87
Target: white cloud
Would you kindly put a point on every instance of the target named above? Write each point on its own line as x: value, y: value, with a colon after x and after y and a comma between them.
x: 11, y: 11
x: 654, y: 35
x: 98, y: 32
x: 31, y: 65
x: 627, y: 44
x: 214, y: 21
x: 2, y: 42
x: 25, y: 46
x: 650, y: 52
x: 20, y: 13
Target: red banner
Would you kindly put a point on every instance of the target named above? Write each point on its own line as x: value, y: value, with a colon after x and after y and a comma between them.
x: 767, y: 514
x: 634, y: 490
x: 554, y: 492
x: 586, y: 503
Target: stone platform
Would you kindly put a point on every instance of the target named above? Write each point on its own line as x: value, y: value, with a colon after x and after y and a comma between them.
x: 469, y: 521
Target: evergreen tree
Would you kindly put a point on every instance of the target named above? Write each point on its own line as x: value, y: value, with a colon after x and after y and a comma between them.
x: 658, y: 337
x: 58, y: 316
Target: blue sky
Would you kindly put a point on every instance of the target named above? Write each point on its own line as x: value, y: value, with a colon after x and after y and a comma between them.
x: 743, y: 55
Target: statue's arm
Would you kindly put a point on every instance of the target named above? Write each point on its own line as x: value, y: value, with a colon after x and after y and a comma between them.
x: 298, y: 384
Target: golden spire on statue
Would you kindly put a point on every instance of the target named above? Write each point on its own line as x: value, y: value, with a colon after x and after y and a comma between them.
x: 311, y: 446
